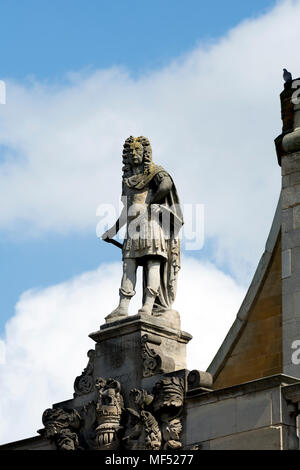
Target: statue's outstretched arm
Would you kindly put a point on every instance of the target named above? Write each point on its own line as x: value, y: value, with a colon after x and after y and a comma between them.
x: 110, y: 233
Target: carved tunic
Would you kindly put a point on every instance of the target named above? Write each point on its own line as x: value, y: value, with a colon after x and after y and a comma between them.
x: 145, y: 235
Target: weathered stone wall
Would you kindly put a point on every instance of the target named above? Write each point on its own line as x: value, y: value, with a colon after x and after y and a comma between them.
x: 258, y: 350
x: 250, y: 416
x: 291, y: 258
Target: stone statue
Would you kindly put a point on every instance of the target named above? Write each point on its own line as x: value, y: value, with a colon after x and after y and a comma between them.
x: 153, y: 218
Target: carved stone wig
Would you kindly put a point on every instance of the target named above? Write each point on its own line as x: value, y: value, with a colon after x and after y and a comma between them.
x: 147, y: 155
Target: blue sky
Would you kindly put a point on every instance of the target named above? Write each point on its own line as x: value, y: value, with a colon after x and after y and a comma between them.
x: 45, y: 40
x: 48, y: 38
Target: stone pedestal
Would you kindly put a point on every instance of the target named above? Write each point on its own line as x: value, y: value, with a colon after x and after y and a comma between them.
x: 136, y: 349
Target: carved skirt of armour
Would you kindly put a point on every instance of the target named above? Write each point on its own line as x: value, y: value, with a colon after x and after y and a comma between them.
x: 144, y: 234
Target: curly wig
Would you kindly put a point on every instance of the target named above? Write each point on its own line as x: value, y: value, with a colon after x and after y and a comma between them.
x: 147, y: 155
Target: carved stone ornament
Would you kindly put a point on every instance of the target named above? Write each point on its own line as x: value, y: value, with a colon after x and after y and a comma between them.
x: 168, y: 405
x: 151, y: 359
x: 199, y: 379
x: 84, y: 383
x: 154, y: 361
x: 109, y: 408
x: 151, y: 421
x: 142, y: 430
x: 61, y: 427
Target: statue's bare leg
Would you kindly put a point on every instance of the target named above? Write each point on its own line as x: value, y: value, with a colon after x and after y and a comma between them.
x: 127, y: 289
x: 153, y: 283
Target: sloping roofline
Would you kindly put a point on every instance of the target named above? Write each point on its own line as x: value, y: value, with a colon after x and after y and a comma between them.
x: 242, y: 315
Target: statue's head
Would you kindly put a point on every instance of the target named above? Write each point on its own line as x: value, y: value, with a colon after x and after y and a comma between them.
x: 136, y: 152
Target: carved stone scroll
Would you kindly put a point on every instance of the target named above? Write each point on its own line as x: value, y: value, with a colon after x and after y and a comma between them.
x: 154, y: 361
x: 151, y: 359
x: 199, y: 379
x: 84, y: 383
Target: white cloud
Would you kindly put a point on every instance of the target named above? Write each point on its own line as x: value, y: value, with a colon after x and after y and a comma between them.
x: 47, y: 339
x: 211, y: 117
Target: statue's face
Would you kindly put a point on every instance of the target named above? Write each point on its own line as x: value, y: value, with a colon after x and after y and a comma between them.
x: 136, y: 154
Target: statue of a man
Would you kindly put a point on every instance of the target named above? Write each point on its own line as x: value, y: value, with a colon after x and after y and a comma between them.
x: 153, y: 218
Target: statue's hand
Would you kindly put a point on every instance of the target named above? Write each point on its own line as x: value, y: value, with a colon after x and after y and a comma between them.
x: 110, y: 233
x: 155, y: 208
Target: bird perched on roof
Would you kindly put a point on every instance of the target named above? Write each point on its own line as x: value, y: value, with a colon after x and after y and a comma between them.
x: 287, y: 76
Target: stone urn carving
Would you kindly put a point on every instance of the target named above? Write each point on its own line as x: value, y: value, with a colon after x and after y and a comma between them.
x: 109, y: 409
